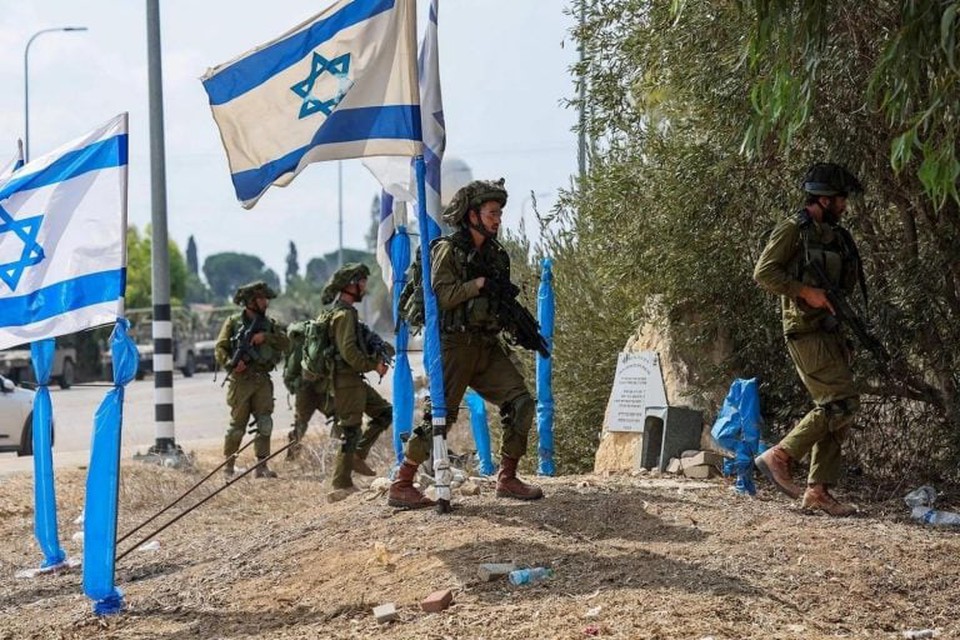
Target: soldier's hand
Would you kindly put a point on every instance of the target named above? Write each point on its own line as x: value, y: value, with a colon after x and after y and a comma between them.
x: 382, y: 368
x: 480, y: 282
x: 817, y: 298
x: 258, y: 339
x: 241, y: 367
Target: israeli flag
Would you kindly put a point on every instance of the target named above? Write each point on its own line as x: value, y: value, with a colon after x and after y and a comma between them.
x: 341, y: 85
x: 14, y: 164
x: 62, y: 238
x: 396, y: 175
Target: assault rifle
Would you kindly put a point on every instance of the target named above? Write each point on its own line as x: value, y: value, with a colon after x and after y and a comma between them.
x: 516, y: 320
x: 376, y: 345
x: 242, y: 345
x: 845, y: 314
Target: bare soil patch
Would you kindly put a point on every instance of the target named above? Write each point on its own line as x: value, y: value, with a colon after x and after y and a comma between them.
x: 634, y: 557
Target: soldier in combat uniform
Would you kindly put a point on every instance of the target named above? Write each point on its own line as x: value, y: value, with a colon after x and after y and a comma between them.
x: 352, y: 395
x: 814, y: 340
x: 249, y: 346
x: 471, y: 271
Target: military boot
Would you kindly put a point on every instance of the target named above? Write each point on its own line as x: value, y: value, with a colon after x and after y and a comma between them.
x: 774, y: 463
x: 294, y: 437
x: 510, y: 486
x: 263, y: 471
x: 403, y: 494
x: 360, y: 465
x: 231, y: 444
x: 817, y: 497
x: 341, y: 482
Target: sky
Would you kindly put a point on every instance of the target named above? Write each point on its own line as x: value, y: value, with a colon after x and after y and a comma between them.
x: 504, y: 67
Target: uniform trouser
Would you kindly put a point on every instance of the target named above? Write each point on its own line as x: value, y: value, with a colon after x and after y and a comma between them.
x: 249, y: 394
x: 482, y: 362
x: 823, y: 362
x: 352, y: 398
x: 310, y: 398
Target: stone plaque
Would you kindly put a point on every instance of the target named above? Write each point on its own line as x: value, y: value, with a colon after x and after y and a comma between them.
x: 637, y: 392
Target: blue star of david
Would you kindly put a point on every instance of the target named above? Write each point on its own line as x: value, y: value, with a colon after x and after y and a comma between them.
x: 339, y: 67
x: 32, y: 253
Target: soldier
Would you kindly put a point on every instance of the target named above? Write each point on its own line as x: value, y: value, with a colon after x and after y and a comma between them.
x: 310, y: 396
x: 474, y: 354
x: 249, y: 346
x: 352, y: 395
x: 814, y: 340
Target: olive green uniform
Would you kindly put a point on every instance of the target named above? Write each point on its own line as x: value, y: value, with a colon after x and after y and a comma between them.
x: 250, y: 393
x: 352, y: 395
x: 310, y: 398
x: 814, y: 342
x: 473, y: 353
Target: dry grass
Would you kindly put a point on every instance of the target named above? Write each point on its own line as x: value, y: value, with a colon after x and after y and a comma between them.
x: 634, y: 558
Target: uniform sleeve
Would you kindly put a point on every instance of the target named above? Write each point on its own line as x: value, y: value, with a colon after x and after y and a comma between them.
x: 223, y: 350
x: 772, y: 270
x: 277, y: 337
x: 343, y: 328
x: 450, y: 290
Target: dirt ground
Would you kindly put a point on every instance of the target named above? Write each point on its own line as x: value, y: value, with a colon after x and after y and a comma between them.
x: 634, y: 557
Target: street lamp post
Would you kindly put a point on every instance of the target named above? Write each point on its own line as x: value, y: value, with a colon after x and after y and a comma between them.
x: 26, y: 85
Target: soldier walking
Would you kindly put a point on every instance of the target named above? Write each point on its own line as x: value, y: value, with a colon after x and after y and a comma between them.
x: 249, y: 346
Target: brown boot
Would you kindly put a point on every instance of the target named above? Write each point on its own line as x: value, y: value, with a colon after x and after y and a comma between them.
x: 403, y: 494
x: 774, y: 463
x: 816, y: 497
x: 510, y: 486
x: 263, y: 471
x: 360, y: 466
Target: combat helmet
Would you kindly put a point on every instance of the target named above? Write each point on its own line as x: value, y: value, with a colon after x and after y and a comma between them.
x: 472, y: 196
x: 829, y: 179
x: 342, y: 278
x: 252, y: 290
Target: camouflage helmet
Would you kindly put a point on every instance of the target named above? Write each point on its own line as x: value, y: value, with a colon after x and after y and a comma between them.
x: 342, y: 278
x: 829, y: 179
x: 252, y: 290
x: 472, y: 196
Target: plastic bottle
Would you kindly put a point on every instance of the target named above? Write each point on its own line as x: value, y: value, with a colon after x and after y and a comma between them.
x: 526, y: 576
x: 925, y: 496
x: 935, y: 517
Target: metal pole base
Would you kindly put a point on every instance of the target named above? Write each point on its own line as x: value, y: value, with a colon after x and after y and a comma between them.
x: 166, y: 453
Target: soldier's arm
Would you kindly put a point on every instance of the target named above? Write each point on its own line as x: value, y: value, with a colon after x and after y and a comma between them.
x: 223, y: 350
x: 277, y: 337
x: 772, y: 269
x: 343, y: 327
x: 449, y: 288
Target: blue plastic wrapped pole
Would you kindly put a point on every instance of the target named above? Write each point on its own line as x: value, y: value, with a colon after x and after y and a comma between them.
x: 402, y: 377
x: 481, y: 431
x: 737, y: 429
x: 545, y: 309
x: 432, y: 359
x: 44, y: 490
x: 103, y: 480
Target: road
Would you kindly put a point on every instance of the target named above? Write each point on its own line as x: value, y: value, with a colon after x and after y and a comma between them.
x: 200, y: 416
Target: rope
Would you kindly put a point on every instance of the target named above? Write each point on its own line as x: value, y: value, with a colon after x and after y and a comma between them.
x: 227, y: 484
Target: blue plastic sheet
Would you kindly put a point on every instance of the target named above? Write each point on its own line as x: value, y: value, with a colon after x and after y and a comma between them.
x: 737, y: 429
x: 481, y: 432
x: 402, y: 376
x: 545, y: 309
x: 103, y: 480
x: 44, y: 490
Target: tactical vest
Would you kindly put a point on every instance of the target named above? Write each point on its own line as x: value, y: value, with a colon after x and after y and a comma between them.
x: 833, y: 248
x: 263, y: 358
x: 476, y: 314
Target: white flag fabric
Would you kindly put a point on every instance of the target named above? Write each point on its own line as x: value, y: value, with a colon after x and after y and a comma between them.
x: 341, y: 85
x: 396, y: 175
x: 62, y: 238
x: 14, y: 164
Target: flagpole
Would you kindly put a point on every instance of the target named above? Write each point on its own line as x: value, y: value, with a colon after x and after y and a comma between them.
x: 340, y: 212
x: 165, y: 444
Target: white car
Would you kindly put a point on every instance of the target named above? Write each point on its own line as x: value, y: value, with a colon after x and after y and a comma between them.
x: 16, y: 418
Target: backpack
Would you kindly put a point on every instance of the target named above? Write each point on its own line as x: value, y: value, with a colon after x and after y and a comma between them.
x: 310, y: 349
x: 316, y: 363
